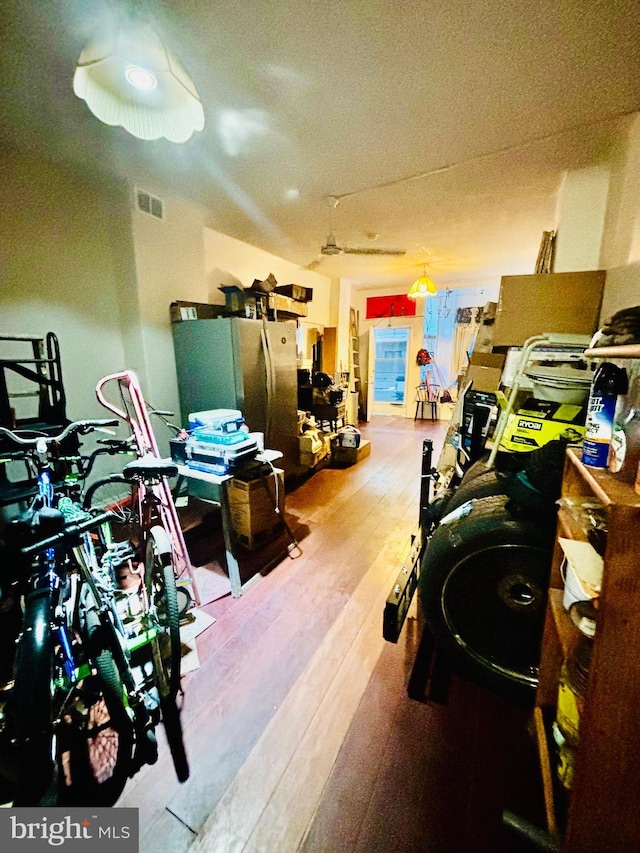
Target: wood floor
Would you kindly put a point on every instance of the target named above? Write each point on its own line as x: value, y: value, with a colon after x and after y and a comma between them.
x: 299, y: 730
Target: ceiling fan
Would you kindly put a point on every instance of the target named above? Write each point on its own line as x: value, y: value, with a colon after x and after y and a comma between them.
x: 331, y: 246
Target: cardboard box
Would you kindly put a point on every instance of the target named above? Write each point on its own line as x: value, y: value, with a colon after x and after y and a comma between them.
x: 495, y: 360
x: 343, y: 457
x: 181, y: 311
x: 540, y: 421
x: 296, y: 291
x: 566, y: 302
x: 252, y: 509
x: 483, y: 378
x: 485, y: 370
x: 310, y: 459
x: 285, y: 305
x: 310, y: 441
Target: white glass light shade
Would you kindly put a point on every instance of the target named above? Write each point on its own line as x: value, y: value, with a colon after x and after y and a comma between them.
x: 105, y: 77
x: 422, y: 286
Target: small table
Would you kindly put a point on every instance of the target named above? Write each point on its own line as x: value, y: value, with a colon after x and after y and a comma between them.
x: 216, y: 492
x: 213, y: 489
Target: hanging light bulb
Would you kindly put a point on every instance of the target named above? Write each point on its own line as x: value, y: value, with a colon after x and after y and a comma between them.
x: 130, y: 78
x: 422, y: 286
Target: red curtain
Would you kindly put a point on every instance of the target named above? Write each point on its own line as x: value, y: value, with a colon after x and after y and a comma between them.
x: 390, y: 306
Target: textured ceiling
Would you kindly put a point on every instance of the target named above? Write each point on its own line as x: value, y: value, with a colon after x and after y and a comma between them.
x: 442, y: 127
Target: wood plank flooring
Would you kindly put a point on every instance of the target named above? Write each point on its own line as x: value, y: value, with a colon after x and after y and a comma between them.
x: 298, y: 727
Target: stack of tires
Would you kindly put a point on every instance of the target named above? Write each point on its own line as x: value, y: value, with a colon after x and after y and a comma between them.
x: 485, y: 571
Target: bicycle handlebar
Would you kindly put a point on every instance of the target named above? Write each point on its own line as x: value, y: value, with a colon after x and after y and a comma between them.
x: 68, y: 533
x: 77, y: 426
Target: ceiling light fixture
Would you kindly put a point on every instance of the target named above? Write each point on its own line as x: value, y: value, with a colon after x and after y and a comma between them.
x: 422, y: 286
x: 131, y: 79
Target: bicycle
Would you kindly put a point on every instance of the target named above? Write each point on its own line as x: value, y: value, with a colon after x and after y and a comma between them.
x: 140, y: 498
x: 164, y: 602
x: 74, y: 706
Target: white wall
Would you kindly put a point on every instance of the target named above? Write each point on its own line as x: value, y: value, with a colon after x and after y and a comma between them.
x: 620, y: 252
x: 79, y: 260
x: 169, y: 259
x: 66, y: 261
x: 580, y: 214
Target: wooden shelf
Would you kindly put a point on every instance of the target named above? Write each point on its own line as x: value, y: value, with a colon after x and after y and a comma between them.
x: 569, y: 526
x: 602, y: 484
x: 548, y: 786
x: 568, y: 634
x: 602, y: 811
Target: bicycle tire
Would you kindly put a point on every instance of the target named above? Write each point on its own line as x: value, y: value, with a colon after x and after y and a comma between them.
x: 94, y: 757
x: 166, y: 648
x: 31, y: 706
x: 98, y: 755
x: 173, y: 730
x: 115, y: 493
x: 483, y: 588
x: 162, y: 595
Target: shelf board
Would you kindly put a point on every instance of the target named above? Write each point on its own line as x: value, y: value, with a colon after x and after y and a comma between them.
x: 546, y: 771
x: 568, y: 633
x: 603, y: 485
x: 570, y: 527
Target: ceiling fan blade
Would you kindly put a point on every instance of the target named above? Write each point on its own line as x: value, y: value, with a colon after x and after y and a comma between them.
x: 367, y: 251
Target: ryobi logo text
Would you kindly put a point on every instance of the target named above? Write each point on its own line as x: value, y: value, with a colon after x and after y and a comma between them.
x: 535, y: 425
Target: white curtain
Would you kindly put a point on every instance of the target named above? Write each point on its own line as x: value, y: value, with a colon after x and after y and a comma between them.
x: 465, y: 330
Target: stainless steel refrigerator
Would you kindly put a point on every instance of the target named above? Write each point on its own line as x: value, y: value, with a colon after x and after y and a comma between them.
x: 250, y: 365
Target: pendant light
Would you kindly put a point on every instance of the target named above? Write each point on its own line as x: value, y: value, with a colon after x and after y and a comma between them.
x: 422, y: 286
x: 130, y: 78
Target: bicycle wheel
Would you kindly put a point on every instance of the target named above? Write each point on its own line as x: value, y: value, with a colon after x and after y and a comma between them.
x: 163, y: 602
x: 165, y: 647
x: 114, y: 493
x: 30, y: 708
x: 96, y: 738
x: 93, y: 754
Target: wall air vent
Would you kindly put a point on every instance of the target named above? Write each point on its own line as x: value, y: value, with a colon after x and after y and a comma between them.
x: 150, y: 204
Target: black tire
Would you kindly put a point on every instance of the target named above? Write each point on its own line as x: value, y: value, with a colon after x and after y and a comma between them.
x: 505, y: 462
x: 95, y: 748
x: 482, y: 485
x: 94, y: 757
x: 31, y: 707
x: 115, y: 493
x: 162, y: 595
x: 166, y: 648
x: 483, y: 589
x: 173, y: 730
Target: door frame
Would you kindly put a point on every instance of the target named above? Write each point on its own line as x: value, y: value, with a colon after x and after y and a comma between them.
x: 393, y: 409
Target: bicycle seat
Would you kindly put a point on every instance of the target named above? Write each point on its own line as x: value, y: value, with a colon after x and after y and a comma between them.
x: 149, y: 467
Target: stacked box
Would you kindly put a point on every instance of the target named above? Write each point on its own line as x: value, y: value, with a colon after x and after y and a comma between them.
x: 252, y: 509
x: 343, y: 457
x: 321, y: 449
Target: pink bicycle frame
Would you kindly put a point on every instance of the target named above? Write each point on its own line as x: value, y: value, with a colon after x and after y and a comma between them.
x: 146, y: 445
